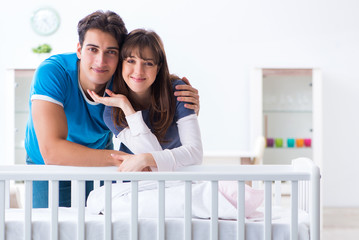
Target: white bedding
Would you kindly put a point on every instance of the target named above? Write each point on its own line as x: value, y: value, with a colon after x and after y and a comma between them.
x: 148, y: 205
x: 147, y: 227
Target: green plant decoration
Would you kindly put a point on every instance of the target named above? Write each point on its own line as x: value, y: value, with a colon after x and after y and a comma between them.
x: 43, y: 48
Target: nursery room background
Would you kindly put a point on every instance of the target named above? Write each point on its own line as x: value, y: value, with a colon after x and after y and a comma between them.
x: 218, y: 45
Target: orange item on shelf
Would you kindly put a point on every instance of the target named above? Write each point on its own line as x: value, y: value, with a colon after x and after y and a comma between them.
x: 299, y: 142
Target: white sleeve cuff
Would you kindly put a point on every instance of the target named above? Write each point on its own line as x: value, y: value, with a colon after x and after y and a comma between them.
x: 165, y: 160
x: 136, y: 124
x: 191, y: 151
x: 45, y: 98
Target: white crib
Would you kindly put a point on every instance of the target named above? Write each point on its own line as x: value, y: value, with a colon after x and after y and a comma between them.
x: 303, y: 175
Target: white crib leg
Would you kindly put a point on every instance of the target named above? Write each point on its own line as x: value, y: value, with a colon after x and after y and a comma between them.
x: 28, y: 209
x: 54, y: 205
x: 241, y: 232
x: 314, y: 204
x: 268, y: 210
x: 2, y: 209
x: 188, y: 211
x: 214, y: 211
x: 108, y: 210
x: 134, y: 210
x: 161, y: 211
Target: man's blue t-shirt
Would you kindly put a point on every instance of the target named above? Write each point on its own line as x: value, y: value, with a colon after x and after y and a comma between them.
x: 172, y: 139
x: 56, y: 80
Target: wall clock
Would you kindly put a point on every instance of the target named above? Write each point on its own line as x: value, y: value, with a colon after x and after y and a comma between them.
x: 45, y: 21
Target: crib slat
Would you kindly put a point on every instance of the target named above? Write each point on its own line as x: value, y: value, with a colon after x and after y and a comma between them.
x: 188, y: 211
x: 268, y: 210
x: 302, y: 185
x: 54, y: 189
x: 7, y: 194
x: 278, y: 193
x: 294, y: 211
x: 301, y: 197
x: 307, y: 189
x: 81, y: 210
x: 161, y: 210
x: 96, y: 184
x: 307, y: 196
x: 2, y: 209
x: 108, y: 210
x: 28, y: 209
x: 241, y: 232
x: 134, y: 210
x: 74, y: 192
x: 214, y: 210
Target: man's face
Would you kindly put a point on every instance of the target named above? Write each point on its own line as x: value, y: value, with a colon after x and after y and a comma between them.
x: 99, y: 56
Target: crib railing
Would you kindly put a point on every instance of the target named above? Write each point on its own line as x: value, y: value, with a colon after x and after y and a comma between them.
x: 303, y: 175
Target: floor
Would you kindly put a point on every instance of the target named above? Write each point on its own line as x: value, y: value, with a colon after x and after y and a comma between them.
x: 340, y: 223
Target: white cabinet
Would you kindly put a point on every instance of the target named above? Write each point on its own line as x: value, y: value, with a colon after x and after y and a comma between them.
x: 18, y: 83
x: 286, y: 110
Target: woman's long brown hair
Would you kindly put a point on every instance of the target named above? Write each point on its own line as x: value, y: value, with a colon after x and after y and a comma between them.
x: 162, y: 106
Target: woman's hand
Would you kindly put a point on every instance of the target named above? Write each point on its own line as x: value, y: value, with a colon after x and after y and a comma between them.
x: 134, y: 163
x: 187, y: 93
x: 114, y: 100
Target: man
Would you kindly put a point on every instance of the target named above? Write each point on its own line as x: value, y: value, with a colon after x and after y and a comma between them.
x: 65, y: 126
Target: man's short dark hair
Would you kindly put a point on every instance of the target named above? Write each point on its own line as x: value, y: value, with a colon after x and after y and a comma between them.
x: 108, y: 22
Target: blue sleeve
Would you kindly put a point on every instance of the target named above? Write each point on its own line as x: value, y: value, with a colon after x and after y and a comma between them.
x: 51, y: 79
x: 107, y: 117
x: 181, y: 110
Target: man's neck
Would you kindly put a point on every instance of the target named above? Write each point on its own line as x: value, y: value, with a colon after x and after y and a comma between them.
x: 88, y: 85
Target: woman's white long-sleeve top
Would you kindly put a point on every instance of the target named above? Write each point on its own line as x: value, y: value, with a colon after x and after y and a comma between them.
x: 139, y: 138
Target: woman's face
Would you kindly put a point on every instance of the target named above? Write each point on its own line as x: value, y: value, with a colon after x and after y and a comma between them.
x: 140, y: 73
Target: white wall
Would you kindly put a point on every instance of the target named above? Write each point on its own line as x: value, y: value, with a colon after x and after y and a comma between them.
x: 216, y: 44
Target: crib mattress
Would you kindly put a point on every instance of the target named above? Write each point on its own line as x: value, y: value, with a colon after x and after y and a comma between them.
x: 147, y: 227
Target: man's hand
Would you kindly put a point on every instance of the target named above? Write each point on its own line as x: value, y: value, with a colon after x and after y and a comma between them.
x: 187, y: 93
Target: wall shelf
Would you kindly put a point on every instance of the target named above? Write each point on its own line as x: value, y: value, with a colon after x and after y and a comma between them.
x: 287, y: 111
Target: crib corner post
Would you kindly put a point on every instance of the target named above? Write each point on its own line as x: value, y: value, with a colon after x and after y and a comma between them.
x: 314, y: 206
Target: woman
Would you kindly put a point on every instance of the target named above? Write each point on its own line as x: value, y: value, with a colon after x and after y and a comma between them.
x: 143, y: 112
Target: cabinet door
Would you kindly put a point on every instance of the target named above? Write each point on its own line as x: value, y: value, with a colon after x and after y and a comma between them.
x: 287, y: 114
x: 18, y: 83
x: 23, y: 80
x: 285, y: 104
